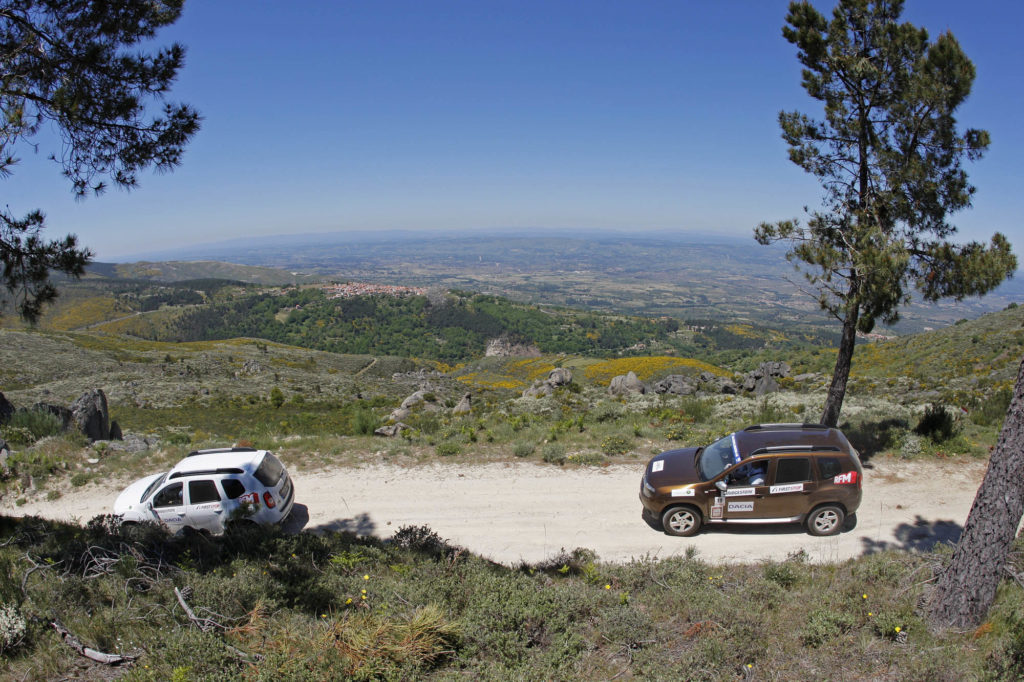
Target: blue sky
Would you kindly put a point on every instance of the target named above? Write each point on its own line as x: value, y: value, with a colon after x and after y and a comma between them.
x: 328, y: 116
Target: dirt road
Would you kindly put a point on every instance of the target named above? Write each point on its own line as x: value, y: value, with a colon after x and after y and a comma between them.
x: 528, y: 512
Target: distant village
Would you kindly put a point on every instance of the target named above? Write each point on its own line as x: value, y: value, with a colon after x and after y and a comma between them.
x: 350, y: 289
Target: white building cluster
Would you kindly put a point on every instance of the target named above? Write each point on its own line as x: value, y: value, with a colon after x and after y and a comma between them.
x: 350, y: 289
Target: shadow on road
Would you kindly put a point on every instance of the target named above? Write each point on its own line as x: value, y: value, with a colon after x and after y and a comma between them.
x: 360, y: 524
x: 920, y: 536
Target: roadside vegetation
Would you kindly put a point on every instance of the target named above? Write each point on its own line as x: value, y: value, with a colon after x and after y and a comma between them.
x: 273, y: 606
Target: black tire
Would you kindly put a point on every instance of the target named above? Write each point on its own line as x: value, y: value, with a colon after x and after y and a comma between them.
x: 851, y: 522
x: 681, y: 521
x: 826, y: 520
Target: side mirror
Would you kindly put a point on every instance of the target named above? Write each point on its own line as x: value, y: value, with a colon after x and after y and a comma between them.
x: 720, y: 484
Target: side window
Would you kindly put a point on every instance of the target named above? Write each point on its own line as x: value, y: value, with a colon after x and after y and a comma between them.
x: 202, y: 491
x: 792, y: 470
x: 169, y: 496
x: 829, y: 467
x: 233, y: 488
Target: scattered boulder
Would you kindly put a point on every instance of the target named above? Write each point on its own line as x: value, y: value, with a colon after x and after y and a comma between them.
x: 626, y: 384
x: 6, y: 409
x: 676, y: 384
x: 391, y: 430
x: 539, y: 390
x: 560, y: 376
x: 115, y: 431
x: 399, y: 413
x: 5, y: 452
x: 90, y: 415
x: 414, y: 399
x: 764, y: 379
x: 465, y: 405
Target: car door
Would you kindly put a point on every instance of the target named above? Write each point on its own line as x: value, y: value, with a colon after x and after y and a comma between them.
x: 204, y: 509
x: 740, y: 500
x: 169, y: 506
x: 791, y: 488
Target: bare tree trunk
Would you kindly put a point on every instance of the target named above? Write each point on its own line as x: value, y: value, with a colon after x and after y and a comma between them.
x: 841, y: 373
x: 966, y: 589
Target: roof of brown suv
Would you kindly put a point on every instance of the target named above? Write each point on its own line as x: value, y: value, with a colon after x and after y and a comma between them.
x: 767, y: 438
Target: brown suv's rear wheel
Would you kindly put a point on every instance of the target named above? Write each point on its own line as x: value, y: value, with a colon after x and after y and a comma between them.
x: 681, y: 521
x: 826, y: 520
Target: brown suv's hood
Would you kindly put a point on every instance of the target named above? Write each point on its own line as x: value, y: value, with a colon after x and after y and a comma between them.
x: 678, y: 468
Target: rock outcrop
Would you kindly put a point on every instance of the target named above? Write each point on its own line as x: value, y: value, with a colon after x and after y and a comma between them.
x: 626, y: 384
x: 560, y: 376
x: 503, y: 348
x: 6, y: 409
x: 465, y: 405
x: 91, y: 416
x: 391, y: 430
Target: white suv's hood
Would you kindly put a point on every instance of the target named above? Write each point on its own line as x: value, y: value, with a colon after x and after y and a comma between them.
x: 129, y: 502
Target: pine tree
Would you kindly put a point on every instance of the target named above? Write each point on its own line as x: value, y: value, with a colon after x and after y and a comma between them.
x: 76, y: 64
x: 890, y: 159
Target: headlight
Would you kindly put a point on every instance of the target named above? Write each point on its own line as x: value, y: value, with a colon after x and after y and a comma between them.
x: 648, y: 488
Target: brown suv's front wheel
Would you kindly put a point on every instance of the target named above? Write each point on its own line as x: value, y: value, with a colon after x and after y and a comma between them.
x: 681, y: 521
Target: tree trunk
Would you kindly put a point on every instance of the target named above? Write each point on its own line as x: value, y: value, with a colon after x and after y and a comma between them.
x: 966, y: 589
x: 841, y: 373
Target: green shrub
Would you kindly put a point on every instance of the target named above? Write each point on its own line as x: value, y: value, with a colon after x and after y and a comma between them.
x: 27, y: 426
x: 586, y: 458
x: 523, y: 449
x: 616, y: 444
x: 825, y: 625
x: 937, y: 423
x: 364, y: 422
x: 553, y: 453
x: 991, y: 410
x: 276, y: 397
x: 12, y: 628
x: 699, y: 410
x: 448, y: 448
x: 677, y: 432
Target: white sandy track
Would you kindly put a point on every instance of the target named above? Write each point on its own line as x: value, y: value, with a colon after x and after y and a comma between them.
x: 528, y: 512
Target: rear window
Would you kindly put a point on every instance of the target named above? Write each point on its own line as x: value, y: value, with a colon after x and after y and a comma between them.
x: 793, y: 470
x: 233, y: 488
x: 270, y: 471
x: 829, y: 467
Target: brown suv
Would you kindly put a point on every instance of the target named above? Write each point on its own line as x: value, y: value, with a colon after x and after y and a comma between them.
x: 769, y: 473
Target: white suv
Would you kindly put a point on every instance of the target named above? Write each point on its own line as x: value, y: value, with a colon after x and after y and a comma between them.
x: 210, y: 488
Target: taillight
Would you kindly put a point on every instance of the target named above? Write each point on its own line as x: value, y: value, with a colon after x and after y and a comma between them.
x: 269, y: 500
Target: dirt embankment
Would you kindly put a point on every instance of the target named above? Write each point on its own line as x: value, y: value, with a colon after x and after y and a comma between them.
x: 518, y: 511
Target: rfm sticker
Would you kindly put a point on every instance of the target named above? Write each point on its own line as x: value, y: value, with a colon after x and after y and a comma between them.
x: 848, y: 478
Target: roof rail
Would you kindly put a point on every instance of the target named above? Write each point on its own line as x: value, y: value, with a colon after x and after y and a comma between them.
x: 217, y: 451
x: 794, y: 448
x: 206, y: 472
x: 768, y: 427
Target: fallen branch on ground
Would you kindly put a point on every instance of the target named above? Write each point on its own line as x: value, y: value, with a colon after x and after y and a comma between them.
x: 92, y: 654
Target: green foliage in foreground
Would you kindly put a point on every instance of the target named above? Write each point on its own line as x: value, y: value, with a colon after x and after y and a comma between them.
x: 267, y: 605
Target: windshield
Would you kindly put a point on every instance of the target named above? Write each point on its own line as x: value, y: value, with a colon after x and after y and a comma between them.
x: 715, y: 458
x: 153, y: 486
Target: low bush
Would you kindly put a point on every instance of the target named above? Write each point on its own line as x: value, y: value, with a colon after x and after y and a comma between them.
x: 553, y: 453
x: 28, y: 426
x: 937, y: 423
